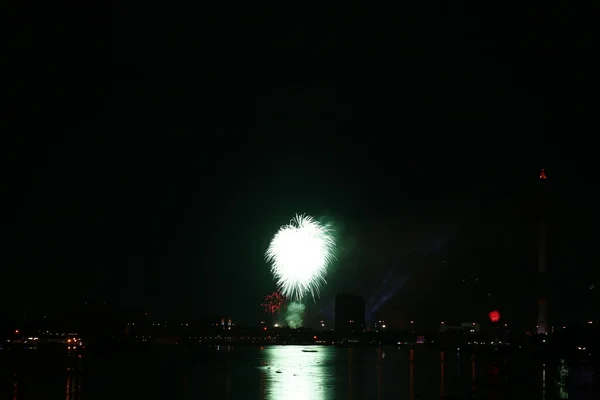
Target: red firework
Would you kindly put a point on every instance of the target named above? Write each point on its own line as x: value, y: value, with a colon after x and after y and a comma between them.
x: 494, y: 316
x: 273, y: 302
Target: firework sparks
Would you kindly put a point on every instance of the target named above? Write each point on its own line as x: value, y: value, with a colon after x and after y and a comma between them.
x: 273, y: 302
x: 299, y: 254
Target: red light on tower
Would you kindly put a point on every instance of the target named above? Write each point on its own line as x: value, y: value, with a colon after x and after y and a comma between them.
x: 494, y: 316
x: 543, y: 175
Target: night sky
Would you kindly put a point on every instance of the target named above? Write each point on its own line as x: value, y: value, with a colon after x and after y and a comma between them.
x: 149, y: 154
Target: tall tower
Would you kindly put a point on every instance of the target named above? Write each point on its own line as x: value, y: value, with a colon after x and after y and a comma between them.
x: 542, y: 305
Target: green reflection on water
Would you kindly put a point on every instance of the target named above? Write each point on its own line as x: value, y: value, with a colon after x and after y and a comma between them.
x: 289, y: 373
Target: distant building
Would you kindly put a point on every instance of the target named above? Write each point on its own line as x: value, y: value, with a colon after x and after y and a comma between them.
x: 226, y: 324
x: 471, y: 327
x: 349, y: 313
x: 448, y: 328
x: 379, y: 325
x: 465, y: 327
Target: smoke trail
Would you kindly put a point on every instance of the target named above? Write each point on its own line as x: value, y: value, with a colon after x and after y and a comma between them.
x: 294, y: 314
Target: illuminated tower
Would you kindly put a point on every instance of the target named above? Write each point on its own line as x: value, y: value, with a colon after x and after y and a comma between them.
x: 542, y: 312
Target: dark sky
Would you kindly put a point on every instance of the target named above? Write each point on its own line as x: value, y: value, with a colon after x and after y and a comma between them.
x: 150, y: 153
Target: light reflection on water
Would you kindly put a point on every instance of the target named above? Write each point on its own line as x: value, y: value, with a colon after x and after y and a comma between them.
x: 293, y: 374
x: 283, y: 372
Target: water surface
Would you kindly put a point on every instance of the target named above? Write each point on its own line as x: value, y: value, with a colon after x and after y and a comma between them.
x: 277, y: 373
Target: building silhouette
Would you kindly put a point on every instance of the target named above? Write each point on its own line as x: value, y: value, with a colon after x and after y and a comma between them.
x: 542, y: 305
x: 349, y: 313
